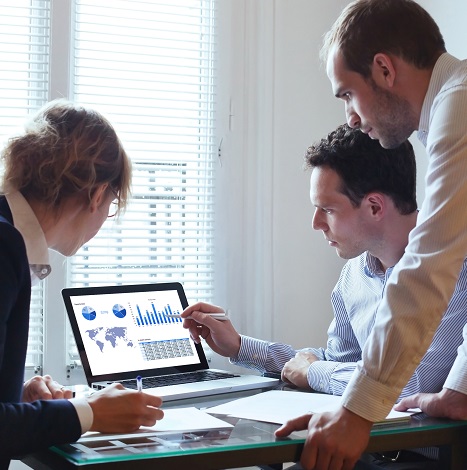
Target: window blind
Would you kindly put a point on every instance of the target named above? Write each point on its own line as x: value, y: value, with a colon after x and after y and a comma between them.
x: 149, y: 67
x: 24, y: 49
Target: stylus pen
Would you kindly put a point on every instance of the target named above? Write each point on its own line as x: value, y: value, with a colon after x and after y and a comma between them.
x: 218, y: 316
x: 139, y: 383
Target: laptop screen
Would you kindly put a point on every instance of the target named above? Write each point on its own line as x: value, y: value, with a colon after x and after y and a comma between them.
x: 124, y: 331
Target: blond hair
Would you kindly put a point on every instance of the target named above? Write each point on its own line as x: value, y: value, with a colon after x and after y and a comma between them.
x: 66, y: 150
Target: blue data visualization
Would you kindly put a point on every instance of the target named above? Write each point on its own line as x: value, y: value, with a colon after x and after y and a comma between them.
x: 89, y: 313
x: 119, y: 311
x: 157, y: 317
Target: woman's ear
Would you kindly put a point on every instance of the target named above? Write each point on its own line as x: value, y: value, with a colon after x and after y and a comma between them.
x: 98, y: 197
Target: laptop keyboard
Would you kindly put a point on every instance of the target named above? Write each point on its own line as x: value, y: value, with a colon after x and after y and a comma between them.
x: 175, y: 379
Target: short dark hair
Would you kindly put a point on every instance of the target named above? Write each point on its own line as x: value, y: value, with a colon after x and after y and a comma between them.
x: 364, y: 167
x: 399, y: 27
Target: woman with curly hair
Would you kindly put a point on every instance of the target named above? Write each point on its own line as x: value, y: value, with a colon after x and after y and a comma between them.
x: 61, y: 178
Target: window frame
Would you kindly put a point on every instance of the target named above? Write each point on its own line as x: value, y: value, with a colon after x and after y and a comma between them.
x: 56, y: 328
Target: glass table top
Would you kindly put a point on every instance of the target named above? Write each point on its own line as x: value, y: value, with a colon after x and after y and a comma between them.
x: 245, y: 434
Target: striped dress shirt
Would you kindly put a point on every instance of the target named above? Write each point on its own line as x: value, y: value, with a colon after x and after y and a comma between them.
x: 422, y: 283
x: 355, y: 300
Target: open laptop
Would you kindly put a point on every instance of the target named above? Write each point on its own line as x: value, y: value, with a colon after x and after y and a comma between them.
x: 123, y: 332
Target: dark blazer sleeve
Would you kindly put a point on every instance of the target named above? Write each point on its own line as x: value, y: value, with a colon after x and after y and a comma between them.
x: 28, y: 427
x: 24, y: 427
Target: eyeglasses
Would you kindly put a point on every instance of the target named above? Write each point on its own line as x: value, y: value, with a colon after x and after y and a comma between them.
x: 113, y: 208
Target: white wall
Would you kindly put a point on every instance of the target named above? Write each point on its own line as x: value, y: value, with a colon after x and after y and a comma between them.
x: 305, y: 267
x: 280, y: 272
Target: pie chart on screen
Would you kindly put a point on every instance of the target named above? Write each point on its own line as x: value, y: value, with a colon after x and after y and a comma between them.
x: 119, y: 311
x: 89, y: 313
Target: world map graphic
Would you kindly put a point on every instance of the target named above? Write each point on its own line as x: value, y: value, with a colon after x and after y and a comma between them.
x: 115, y: 336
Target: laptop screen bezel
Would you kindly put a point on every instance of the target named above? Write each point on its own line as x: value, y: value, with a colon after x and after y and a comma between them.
x: 70, y: 292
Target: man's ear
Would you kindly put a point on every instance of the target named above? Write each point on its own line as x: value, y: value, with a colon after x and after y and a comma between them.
x: 98, y: 197
x: 383, y: 70
x: 376, y: 205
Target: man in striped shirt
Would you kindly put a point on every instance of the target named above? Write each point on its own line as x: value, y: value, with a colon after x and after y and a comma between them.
x: 365, y: 205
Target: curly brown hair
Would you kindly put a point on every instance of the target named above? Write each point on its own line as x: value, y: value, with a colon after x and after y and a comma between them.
x: 66, y: 150
x: 364, y: 166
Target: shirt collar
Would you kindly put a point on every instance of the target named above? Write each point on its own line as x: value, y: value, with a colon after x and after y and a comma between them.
x: 373, y: 267
x: 25, y: 221
x: 441, y: 72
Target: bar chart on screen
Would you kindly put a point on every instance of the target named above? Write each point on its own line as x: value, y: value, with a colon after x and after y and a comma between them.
x: 152, y: 316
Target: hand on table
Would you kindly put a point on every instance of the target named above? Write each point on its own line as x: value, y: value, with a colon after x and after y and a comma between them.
x: 445, y: 404
x: 295, y: 371
x: 335, y: 440
x: 44, y: 388
x: 221, y: 336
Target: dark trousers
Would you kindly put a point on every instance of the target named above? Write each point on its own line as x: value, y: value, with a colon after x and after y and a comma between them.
x: 407, y: 461
x: 404, y: 460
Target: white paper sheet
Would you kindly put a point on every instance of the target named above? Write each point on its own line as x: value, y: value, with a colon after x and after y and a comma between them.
x: 175, y: 420
x: 278, y: 406
x: 187, y: 419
